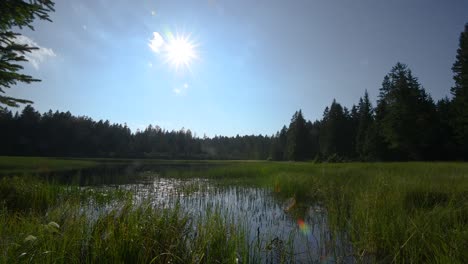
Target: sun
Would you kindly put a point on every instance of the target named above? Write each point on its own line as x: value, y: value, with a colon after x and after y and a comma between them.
x: 180, y: 51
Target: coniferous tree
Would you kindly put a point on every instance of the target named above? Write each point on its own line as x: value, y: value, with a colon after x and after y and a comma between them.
x: 446, y: 142
x: 460, y: 94
x: 62, y: 134
x: 17, y: 13
x: 406, y: 115
x: 278, y: 146
x: 313, y: 132
x: 296, y: 146
x: 351, y: 131
x: 364, y: 139
x: 334, y: 132
x: 7, y: 131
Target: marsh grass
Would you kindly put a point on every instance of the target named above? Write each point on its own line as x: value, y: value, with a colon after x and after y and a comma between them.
x: 34, y: 165
x: 46, y: 223
x: 390, y: 212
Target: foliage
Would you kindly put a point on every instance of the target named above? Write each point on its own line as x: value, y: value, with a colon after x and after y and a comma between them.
x: 296, y: 140
x: 460, y: 93
x: 364, y: 144
x: 62, y: 134
x: 405, y: 115
x: 15, y: 13
x: 278, y: 146
x: 335, y: 136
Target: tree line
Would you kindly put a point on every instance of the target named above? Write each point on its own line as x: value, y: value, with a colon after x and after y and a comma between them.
x: 405, y: 124
x: 62, y: 134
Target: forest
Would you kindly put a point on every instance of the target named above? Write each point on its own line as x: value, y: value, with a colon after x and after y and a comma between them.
x: 405, y: 125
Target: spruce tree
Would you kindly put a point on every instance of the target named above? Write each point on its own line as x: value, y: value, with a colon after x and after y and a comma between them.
x: 460, y: 94
x: 296, y: 147
x: 278, y: 144
x: 334, y: 133
x: 364, y: 144
x: 17, y: 14
x: 406, y: 115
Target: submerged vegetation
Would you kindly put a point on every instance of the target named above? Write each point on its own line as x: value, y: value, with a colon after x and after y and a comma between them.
x: 42, y: 223
x: 389, y: 212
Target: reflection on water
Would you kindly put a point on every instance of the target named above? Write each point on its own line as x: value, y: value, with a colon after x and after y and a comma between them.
x: 300, y: 234
x: 276, y: 228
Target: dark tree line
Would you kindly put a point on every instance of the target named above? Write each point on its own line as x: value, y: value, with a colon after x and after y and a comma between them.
x: 62, y: 134
x: 405, y: 124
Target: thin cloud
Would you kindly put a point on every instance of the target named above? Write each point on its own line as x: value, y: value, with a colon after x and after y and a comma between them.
x: 156, y: 43
x: 35, y: 57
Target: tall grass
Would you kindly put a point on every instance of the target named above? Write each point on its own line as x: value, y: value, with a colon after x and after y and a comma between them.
x: 66, y: 231
x: 391, y: 212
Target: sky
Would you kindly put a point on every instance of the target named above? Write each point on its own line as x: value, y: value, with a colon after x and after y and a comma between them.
x: 233, y: 67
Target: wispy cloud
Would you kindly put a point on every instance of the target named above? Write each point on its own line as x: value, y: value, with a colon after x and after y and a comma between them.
x: 37, y: 56
x: 156, y: 43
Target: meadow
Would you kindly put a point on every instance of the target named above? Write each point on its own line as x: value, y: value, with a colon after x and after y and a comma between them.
x: 383, y: 212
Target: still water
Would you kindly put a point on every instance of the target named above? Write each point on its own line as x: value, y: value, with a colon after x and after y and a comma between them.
x: 275, y: 227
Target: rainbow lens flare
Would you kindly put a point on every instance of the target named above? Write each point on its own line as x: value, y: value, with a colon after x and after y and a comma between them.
x: 303, y: 226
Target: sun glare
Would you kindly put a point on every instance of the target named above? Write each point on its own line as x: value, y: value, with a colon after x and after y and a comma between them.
x: 180, y: 52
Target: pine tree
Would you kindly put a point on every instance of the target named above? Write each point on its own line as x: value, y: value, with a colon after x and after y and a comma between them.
x: 460, y: 94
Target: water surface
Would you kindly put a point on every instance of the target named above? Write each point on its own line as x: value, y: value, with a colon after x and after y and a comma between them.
x: 276, y: 227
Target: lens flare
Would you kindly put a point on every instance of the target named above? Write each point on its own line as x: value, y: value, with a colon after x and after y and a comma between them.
x: 180, y: 51
x: 177, y: 50
x: 303, y: 226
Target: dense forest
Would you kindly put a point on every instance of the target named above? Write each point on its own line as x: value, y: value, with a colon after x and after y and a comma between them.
x: 405, y: 124
x: 62, y: 134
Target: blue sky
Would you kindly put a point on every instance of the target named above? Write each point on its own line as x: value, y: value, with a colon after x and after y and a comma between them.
x: 257, y: 61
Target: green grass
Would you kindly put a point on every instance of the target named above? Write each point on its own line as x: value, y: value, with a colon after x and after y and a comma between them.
x: 61, y: 232
x: 31, y: 165
x: 391, y: 212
